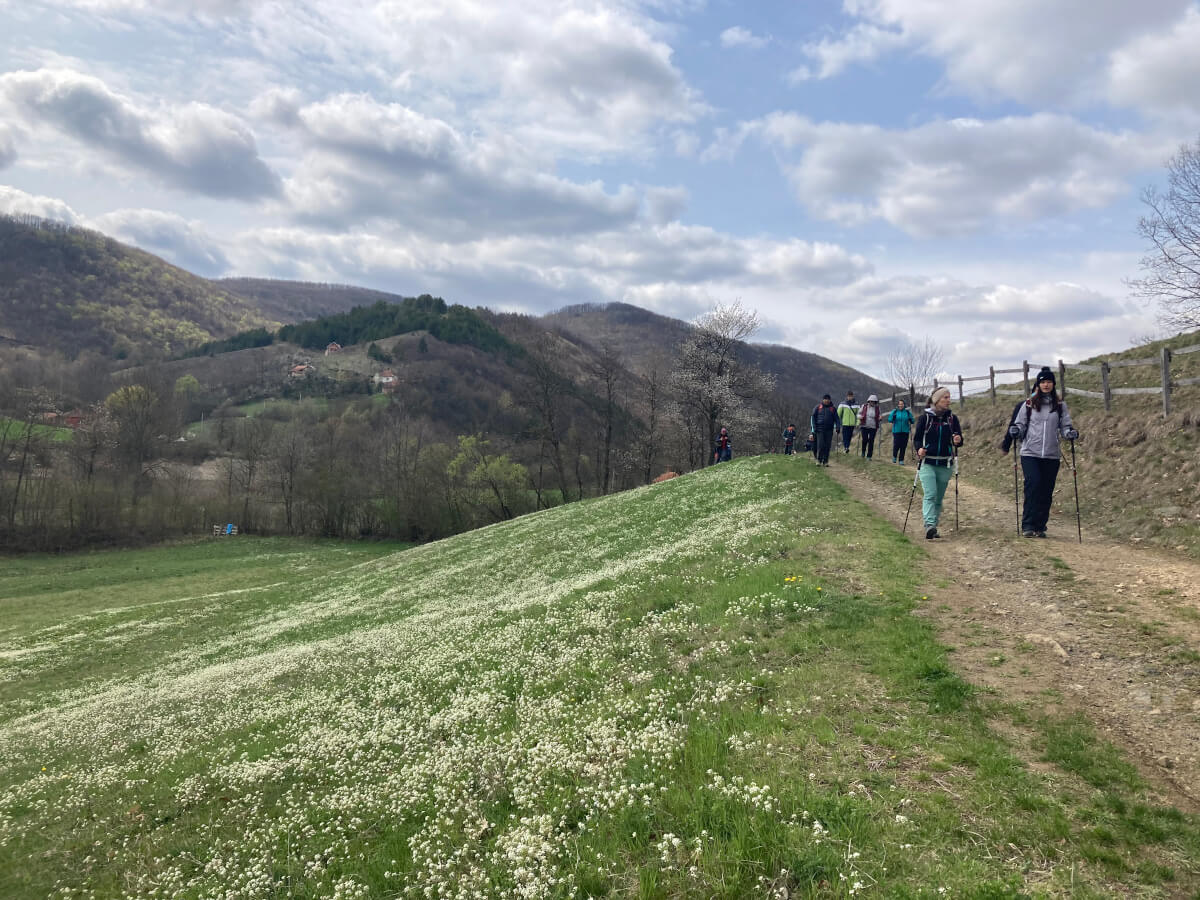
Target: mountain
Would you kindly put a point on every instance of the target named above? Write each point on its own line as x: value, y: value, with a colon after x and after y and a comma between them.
x: 645, y: 337
x: 71, y: 289
x: 297, y: 301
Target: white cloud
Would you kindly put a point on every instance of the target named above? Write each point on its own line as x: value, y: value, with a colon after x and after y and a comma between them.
x: 863, y: 43
x: 1029, y: 50
x: 1160, y: 71
x: 186, y: 244
x: 962, y: 175
x: 192, y: 147
x: 373, y: 161
x: 737, y: 36
x: 8, y: 147
x: 17, y: 202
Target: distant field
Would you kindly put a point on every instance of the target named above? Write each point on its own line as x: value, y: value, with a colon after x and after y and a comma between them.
x: 712, y: 687
x: 41, y: 432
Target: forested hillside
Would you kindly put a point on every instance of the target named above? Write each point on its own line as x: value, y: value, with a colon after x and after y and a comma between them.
x: 297, y: 301
x: 70, y: 289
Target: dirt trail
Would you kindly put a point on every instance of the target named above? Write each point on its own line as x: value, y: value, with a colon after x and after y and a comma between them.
x: 1106, y: 628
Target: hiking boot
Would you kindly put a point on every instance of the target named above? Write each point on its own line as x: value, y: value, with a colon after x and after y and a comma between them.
x: 1028, y: 534
x: 1041, y: 534
x: 931, y: 533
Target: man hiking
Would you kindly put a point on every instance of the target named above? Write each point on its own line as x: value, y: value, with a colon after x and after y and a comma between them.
x: 847, y: 413
x: 823, y: 423
x: 722, y: 447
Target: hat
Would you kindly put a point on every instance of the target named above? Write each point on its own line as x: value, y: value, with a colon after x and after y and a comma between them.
x: 938, y: 394
x: 826, y: 397
x: 872, y: 399
x: 1045, y: 375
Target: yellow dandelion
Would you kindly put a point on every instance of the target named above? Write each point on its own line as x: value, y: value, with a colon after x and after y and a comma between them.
x: 818, y: 589
x: 924, y: 598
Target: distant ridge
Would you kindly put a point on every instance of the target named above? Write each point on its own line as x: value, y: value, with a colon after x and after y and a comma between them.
x: 289, y: 302
x: 72, y: 289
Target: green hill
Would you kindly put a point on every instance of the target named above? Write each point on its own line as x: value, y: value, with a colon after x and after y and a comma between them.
x: 631, y: 696
x: 71, y: 289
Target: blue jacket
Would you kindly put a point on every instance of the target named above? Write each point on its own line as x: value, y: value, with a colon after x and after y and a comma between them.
x: 901, y: 420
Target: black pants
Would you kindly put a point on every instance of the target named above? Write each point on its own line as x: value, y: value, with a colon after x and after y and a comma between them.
x: 868, y: 441
x: 847, y: 436
x: 1040, y: 475
x: 899, y: 444
x: 824, y: 442
x: 788, y: 448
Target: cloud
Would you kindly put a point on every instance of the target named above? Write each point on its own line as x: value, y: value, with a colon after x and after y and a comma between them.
x: 737, y: 36
x: 17, y: 202
x: 1010, y: 49
x: 1160, y: 71
x: 184, y: 243
x: 194, y: 147
x: 8, y: 148
x: 373, y: 161
x: 863, y: 43
x: 956, y: 176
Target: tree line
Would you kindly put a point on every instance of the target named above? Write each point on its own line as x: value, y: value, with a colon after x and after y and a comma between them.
x: 157, y: 456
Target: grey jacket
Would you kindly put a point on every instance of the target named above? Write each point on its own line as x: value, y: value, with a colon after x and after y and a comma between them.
x: 1041, y: 430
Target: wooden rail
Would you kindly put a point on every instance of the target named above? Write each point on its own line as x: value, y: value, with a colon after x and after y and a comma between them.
x: 1104, y: 368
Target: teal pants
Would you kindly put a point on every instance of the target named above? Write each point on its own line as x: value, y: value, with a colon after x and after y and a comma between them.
x: 933, y: 488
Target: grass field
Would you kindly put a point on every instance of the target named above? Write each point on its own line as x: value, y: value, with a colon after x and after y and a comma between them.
x: 712, y: 687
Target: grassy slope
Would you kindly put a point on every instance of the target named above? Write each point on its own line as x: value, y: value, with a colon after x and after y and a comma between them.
x: 709, y: 687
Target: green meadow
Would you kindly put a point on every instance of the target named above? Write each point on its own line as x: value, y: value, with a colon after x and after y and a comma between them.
x: 710, y: 687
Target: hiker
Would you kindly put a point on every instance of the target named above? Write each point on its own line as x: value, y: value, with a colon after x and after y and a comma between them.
x: 901, y: 421
x: 789, y: 440
x: 723, y: 448
x: 1039, y: 426
x: 937, y: 436
x: 847, y: 412
x: 823, y: 423
x: 868, y: 424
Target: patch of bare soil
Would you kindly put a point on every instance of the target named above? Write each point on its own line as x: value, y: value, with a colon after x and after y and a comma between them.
x: 1108, y: 629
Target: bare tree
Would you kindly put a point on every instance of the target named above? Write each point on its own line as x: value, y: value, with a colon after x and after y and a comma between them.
x: 712, y: 384
x: 1172, y: 228
x: 915, y: 363
x: 607, y: 370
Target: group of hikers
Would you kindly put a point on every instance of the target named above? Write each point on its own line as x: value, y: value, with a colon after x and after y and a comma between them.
x: 1037, y: 426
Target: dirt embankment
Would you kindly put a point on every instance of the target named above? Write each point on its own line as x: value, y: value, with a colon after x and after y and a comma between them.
x: 1107, y: 628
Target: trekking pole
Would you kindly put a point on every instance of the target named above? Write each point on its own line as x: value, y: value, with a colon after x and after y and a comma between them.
x: 1075, y: 478
x: 912, y: 493
x: 1016, y: 488
x: 954, y: 453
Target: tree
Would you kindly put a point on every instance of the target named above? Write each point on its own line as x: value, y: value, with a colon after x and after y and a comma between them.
x: 713, y: 385
x: 915, y: 363
x: 1172, y: 228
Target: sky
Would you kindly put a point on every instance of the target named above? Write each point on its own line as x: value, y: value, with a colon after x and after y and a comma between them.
x: 860, y: 173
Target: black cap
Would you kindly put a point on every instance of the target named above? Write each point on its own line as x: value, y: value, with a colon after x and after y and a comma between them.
x: 1045, y: 375
x: 826, y: 397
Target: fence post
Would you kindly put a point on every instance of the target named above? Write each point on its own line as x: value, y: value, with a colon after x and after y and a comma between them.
x: 912, y: 397
x: 961, y: 400
x: 1062, y: 377
x: 1166, y: 381
x: 1104, y: 386
x: 992, y: 379
x: 893, y: 399
x: 1025, y: 369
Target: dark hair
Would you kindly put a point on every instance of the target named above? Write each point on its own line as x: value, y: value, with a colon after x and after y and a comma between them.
x: 1039, y: 396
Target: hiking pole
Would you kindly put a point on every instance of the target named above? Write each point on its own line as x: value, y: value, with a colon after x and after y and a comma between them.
x: 912, y: 493
x: 954, y: 453
x: 1016, y: 486
x: 1075, y: 478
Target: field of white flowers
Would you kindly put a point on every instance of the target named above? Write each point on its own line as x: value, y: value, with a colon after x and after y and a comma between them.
x: 642, y: 695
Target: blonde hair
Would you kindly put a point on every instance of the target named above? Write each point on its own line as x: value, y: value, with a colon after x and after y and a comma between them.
x: 938, y: 395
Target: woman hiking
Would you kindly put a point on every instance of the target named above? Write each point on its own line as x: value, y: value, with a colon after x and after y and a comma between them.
x: 869, y: 418
x: 1039, y: 426
x: 901, y: 421
x: 936, y: 439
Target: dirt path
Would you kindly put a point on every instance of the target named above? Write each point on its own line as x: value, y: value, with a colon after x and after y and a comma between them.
x: 1101, y: 627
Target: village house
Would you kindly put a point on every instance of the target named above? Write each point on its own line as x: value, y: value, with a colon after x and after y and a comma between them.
x: 333, y: 347
x: 300, y: 370
x: 387, y: 380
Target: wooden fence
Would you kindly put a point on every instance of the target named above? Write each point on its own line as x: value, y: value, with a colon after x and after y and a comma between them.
x: 1104, y: 368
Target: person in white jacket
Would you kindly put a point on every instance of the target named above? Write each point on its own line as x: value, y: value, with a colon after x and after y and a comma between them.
x: 1039, y: 426
x: 869, y: 420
